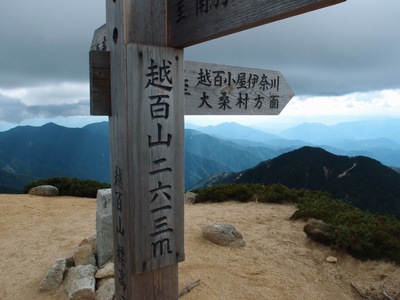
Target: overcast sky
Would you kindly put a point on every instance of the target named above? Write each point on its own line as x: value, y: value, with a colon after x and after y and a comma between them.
x: 341, y: 61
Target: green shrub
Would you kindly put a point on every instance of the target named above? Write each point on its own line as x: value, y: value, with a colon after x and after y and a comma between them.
x: 275, y: 193
x: 222, y: 193
x: 359, y: 233
x: 318, y: 205
x: 71, y: 186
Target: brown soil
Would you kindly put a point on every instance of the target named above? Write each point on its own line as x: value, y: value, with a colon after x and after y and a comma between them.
x: 278, y: 261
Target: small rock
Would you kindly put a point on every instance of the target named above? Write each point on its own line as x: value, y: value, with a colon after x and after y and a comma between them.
x: 106, y: 290
x: 84, y: 255
x: 331, y: 259
x: 91, y: 241
x: 190, y: 197
x: 224, y: 235
x: 54, y: 276
x: 80, y: 283
x: 318, y: 231
x: 106, y: 271
x: 44, y: 190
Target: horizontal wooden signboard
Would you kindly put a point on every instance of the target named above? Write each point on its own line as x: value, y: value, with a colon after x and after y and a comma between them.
x: 210, y: 89
x: 195, y: 21
x: 214, y: 89
x: 100, y: 83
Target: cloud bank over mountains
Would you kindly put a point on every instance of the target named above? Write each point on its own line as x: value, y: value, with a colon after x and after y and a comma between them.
x: 344, y: 55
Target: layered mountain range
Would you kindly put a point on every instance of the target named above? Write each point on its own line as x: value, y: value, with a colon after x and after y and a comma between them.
x: 311, y: 156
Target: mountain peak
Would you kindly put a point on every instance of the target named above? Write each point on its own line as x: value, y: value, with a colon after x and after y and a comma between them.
x: 361, y: 181
x: 235, y: 131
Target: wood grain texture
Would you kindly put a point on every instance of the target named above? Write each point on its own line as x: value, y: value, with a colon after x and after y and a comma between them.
x: 194, y: 21
x: 213, y: 89
x: 121, y: 190
x: 155, y: 138
x: 147, y: 22
x: 100, y: 83
x: 128, y: 21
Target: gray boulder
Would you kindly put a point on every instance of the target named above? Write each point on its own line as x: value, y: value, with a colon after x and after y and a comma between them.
x: 85, y: 253
x: 106, y: 271
x: 79, y: 282
x: 54, y: 276
x: 190, y: 197
x: 224, y: 235
x: 318, y: 231
x: 44, y: 190
x: 106, y: 289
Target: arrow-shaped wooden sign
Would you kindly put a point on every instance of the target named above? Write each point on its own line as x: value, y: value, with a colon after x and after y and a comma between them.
x: 214, y: 89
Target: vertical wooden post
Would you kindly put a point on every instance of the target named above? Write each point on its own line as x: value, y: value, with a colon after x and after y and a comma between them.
x: 146, y: 134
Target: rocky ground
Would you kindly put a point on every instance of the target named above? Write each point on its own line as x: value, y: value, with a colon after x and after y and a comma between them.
x: 278, y: 261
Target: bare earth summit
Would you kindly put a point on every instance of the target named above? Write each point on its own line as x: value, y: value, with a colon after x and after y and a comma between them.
x: 278, y: 261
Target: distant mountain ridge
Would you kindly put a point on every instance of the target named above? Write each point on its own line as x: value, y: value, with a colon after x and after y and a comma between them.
x: 361, y: 181
x: 357, y: 130
x: 378, y: 139
x: 238, y: 132
x: 28, y: 153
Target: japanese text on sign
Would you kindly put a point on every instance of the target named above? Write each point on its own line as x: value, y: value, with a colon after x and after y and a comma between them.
x: 155, y: 231
x: 202, y: 7
x: 218, y: 89
x: 159, y: 80
x: 119, y: 200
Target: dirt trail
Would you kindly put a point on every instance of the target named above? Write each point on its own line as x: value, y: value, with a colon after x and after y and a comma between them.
x: 278, y: 262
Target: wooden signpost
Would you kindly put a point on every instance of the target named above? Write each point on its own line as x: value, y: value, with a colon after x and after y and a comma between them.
x: 137, y: 77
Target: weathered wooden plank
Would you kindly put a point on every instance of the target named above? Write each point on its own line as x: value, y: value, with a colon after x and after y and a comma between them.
x: 124, y: 27
x: 120, y: 185
x: 100, y: 83
x: 155, y: 87
x: 195, y: 21
x: 156, y: 285
x: 214, y: 89
x: 147, y: 22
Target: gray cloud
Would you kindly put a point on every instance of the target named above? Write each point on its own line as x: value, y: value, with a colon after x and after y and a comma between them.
x: 47, y: 41
x: 15, y: 111
x: 353, y: 46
